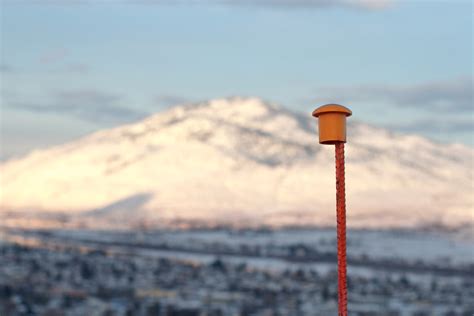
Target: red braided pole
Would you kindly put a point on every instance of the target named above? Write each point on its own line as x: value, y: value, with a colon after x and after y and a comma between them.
x: 341, y: 229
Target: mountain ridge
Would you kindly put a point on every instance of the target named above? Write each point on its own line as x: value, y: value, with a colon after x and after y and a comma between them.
x: 242, y: 160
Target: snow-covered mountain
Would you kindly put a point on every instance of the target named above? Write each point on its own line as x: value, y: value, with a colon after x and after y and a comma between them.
x: 241, y: 161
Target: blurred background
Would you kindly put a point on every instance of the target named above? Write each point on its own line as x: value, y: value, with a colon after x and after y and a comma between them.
x: 160, y: 158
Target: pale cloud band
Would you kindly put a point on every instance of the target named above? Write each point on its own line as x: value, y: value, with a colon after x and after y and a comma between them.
x: 439, y: 125
x: 314, y: 4
x: 351, y: 4
x: 89, y: 105
x: 446, y: 96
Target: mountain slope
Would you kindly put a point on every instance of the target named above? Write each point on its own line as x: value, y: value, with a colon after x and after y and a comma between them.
x: 242, y: 162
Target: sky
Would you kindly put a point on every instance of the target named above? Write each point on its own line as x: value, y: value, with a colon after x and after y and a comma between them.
x: 71, y: 67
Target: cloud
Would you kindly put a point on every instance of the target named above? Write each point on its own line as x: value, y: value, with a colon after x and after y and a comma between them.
x: 306, y: 4
x: 53, y: 56
x: 88, y: 105
x: 170, y: 100
x: 445, y: 96
x: 440, y: 125
x: 320, y: 4
x: 77, y: 68
x: 4, y: 68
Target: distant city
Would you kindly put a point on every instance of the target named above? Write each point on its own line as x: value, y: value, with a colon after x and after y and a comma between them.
x: 226, y: 272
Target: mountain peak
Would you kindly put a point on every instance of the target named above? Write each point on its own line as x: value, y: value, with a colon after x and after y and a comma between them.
x: 243, y: 107
x: 231, y: 114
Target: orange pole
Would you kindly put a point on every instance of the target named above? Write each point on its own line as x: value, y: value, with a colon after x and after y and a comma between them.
x: 332, y: 131
x: 341, y: 229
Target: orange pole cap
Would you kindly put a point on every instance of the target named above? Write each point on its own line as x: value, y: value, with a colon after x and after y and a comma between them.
x: 332, y: 123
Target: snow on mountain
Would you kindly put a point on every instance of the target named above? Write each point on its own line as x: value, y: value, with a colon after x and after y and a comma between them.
x: 242, y: 161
